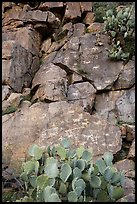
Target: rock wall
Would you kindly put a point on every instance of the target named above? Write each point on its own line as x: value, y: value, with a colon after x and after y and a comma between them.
x: 57, y: 81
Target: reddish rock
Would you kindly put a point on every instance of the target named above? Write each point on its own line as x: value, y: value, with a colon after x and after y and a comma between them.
x: 47, y: 123
x: 7, y: 49
x: 29, y: 39
x: 95, y: 27
x: 86, y: 6
x: 131, y: 153
x: 12, y: 15
x: 46, y: 45
x: 129, y: 131
x: 52, y: 82
x: 48, y: 5
x: 72, y: 10
x: 89, y: 18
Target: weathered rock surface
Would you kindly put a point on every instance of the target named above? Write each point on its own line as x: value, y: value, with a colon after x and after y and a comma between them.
x: 79, y: 29
x: 29, y: 39
x: 126, y: 78
x: 89, y: 60
x: 126, y: 165
x: 128, y: 198
x: 57, y: 82
x: 80, y: 91
x: 6, y: 90
x: 126, y: 106
x: 131, y: 153
x: 45, y: 124
x: 53, y: 83
x: 105, y: 105
x: 17, y: 72
x: 129, y: 186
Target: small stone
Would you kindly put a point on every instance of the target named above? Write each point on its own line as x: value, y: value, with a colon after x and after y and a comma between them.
x: 89, y: 18
x: 26, y: 91
x: 128, y: 198
x: 46, y: 45
x: 126, y: 165
x: 131, y: 153
x: 130, y: 174
x: 129, y: 186
x: 79, y: 29
x: 95, y: 27
x: 6, y: 90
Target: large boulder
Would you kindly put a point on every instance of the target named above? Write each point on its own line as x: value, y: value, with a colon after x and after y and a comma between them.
x: 46, y: 124
x: 17, y: 71
x: 90, y: 60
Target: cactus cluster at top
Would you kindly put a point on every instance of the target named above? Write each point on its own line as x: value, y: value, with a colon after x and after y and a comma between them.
x: 121, y: 30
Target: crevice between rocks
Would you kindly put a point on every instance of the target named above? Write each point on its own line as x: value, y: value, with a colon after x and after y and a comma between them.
x: 123, y: 152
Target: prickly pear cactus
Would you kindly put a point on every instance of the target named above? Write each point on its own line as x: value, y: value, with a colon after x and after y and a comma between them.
x: 63, y: 174
x: 121, y: 29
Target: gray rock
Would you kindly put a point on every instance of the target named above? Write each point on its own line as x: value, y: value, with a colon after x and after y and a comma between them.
x: 105, y: 105
x: 83, y: 94
x: 12, y: 103
x: 126, y: 78
x: 75, y: 78
x: 126, y: 106
x: 128, y: 198
x: 34, y: 16
x: 80, y: 91
x: 18, y: 71
x: 48, y: 58
x: 129, y: 186
x: 69, y: 28
x: 79, y: 29
x: 6, y: 90
x: 89, y: 60
x: 126, y: 165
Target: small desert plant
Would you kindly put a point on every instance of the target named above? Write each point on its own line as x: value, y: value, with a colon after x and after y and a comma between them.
x: 121, y: 30
x: 63, y: 174
x: 9, y: 109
